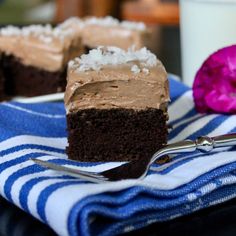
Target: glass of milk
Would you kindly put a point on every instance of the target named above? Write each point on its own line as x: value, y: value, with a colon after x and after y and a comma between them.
x: 206, y: 26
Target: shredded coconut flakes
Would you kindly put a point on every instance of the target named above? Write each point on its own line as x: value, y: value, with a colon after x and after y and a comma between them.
x: 110, y: 21
x: 105, y: 21
x: 135, y: 69
x: 145, y: 71
x: 45, y: 33
x: 102, y: 56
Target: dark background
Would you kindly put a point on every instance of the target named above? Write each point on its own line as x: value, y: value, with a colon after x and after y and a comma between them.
x: 219, y: 220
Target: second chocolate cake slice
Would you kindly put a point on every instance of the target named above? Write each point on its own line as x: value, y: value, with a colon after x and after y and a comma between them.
x: 34, y: 58
x: 116, y: 104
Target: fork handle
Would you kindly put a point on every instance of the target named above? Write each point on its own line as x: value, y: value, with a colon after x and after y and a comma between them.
x: 206, y: 144
x: 225, y: 140
x: 203, y: 144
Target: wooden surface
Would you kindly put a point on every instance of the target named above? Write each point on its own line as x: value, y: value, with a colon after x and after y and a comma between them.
x: 65, y: 9
x: 81, y: 8
x: 151, y: 11
x: 104, y: 7
x: 148, y: 11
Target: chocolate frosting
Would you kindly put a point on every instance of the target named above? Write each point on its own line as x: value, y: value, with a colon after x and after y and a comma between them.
x: 94, y: 31
x: 96, y: 35
x: 117, y: 86
x: 51, y: 48
x: 41, y: 46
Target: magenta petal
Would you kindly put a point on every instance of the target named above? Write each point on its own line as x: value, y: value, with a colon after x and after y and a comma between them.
x: 214, y: 88
x: 220, y: 102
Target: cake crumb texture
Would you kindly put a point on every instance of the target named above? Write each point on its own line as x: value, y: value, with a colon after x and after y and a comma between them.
x: 115, y: 134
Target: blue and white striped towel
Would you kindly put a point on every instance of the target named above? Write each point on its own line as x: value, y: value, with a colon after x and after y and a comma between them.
x: 74, y: 207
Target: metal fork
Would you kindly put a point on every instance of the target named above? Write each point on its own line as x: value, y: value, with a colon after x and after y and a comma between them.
x: 138, y: 169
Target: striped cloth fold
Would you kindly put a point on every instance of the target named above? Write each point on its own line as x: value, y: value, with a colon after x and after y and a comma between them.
x: 73, y: 206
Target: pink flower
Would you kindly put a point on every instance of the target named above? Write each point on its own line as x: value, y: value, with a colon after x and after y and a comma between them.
x: 214, y: 88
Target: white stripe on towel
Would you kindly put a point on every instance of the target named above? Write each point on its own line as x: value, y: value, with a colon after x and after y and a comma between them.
x: 33, y: 112
x: 181, y: 106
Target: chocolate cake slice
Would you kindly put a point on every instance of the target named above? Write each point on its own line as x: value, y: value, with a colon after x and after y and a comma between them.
x: 116, y: 104
x: 34, y: 58
x: 108, y: 31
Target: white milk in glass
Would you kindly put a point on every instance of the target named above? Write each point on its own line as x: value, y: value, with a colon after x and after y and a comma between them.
x: 206, y: 26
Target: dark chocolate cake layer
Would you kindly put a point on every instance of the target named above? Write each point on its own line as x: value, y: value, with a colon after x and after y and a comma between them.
x: 96, y: 135
x: 30, y: 81
x: 2, y: 80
